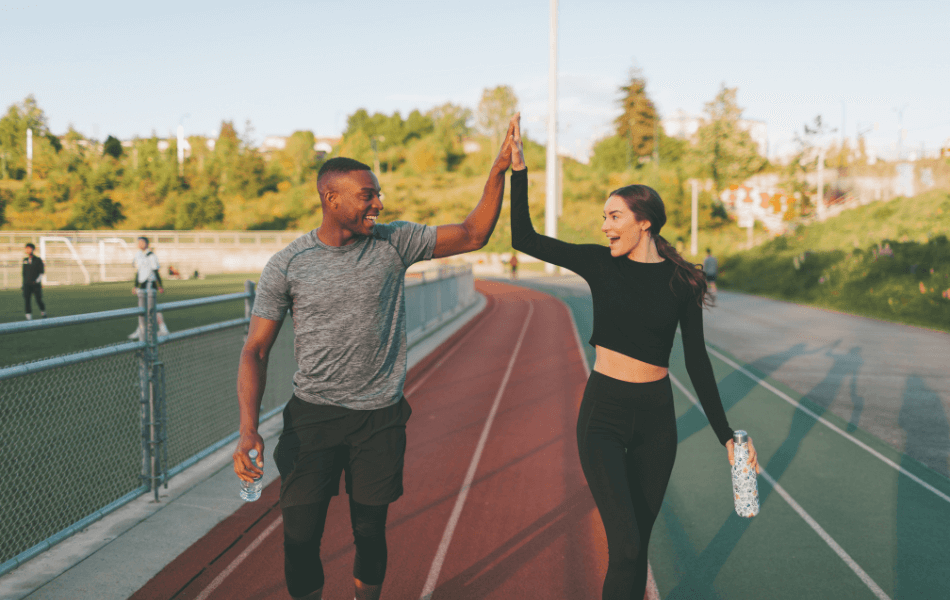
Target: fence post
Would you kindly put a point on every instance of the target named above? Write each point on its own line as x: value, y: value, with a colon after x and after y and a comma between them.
x: 152, y: 379
x: 145, y: 369
x: 248, y: 304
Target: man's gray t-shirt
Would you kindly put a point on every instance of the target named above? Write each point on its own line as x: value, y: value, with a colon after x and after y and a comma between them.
x: 710, y: 265
x: 349, y: 309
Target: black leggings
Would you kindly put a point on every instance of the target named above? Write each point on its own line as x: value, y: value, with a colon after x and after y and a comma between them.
x: 33, y: 290
x: 303, y: 530
x: 626, y: 437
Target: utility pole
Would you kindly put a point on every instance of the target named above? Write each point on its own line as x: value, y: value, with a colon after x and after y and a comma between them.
x: 694, y: 220
x: 29, y: 154
x: 900, y: 132
x: 819, y: 201
x: 550, y: 207
x: 181, y: 150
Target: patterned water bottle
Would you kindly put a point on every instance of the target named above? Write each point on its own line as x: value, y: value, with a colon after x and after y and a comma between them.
x: 744, y: 484
x: 251, y: 490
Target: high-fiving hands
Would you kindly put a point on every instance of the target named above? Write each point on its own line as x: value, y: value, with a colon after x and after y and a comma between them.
x: 511, y: 153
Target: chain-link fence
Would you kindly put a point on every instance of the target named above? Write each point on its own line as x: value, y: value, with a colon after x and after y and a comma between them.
x: 84, y: 433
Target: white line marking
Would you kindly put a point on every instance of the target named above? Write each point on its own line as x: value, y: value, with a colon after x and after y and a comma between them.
x: 652, y: 591
x: 240, y: 558
x: 874, y: 587
x: 449, y: 353
x: 854, y: 566
x: 824, y: 421
x: 440, y: 554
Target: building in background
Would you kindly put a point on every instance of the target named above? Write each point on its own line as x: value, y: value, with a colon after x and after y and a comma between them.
x: 681, y: 124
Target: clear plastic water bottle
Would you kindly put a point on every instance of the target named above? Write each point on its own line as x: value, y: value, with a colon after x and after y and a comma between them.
x: 251, y: 490
x: 744, y: 484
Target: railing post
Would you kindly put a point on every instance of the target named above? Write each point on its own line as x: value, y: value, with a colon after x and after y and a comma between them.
x: 248, y: 304
x: 151, y: 373
x: 144, y: 392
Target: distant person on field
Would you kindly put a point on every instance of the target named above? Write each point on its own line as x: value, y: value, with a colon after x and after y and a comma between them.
x: 711, y: 269
x: 33, y: 270
x: 146, y: 273
x: 514, y: 265
x: 345, y: 282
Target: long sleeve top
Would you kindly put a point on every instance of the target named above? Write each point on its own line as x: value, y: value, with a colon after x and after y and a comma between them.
x: 33, y: 269
x: 637, y: 306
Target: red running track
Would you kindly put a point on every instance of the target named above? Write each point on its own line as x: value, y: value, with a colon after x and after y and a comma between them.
x: 528, y: 527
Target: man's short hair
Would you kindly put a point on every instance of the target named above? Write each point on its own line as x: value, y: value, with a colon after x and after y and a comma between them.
x: 708, y: 251
x: 30, y: 246
x: 341, y: 164
x: 144, y: 239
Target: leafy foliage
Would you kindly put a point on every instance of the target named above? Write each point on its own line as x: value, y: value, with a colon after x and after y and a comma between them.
x: 730, y: 154
x: 638, y: 121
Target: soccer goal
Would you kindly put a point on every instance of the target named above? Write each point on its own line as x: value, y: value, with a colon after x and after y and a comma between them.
x: 56, y: 274
x: 111, y: 249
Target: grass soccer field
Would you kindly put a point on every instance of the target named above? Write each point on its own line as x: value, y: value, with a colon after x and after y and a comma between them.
x: 72, y: 300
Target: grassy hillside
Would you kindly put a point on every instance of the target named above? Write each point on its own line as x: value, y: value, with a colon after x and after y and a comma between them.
x: 887, y: 260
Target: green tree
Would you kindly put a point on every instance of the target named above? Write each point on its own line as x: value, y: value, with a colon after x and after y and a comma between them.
x: 726, y: 150
x: 298, y: 157
x: 638, y: 121
x: 13, y: 126
x: 495, y: 109
x: 112, y: 147
x: 611, y: 154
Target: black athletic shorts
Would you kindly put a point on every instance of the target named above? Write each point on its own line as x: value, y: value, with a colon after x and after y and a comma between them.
x: 320, y: 442
x: 711, y: 278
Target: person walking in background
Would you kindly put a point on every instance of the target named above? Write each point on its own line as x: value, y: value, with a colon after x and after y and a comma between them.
x: 626, y: 427
x: 33, y: 269
x: 711, y: 269
x: 514, y: 265
x: 146, y: 274
x: 345, y: 283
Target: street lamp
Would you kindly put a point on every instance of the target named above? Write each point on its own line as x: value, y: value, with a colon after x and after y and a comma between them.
x: 372, y: 141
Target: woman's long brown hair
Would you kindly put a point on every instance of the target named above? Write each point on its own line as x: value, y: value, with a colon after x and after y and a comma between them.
x: 646, y: 205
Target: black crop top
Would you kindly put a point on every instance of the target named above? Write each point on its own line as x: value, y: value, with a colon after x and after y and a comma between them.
x: 636, y: 305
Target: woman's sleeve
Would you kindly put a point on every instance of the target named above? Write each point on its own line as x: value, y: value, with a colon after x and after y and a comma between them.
x: 700, y: 370
x: 576, y: 257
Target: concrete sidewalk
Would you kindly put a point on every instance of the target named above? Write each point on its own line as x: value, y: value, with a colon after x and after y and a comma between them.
x: 118, y: 554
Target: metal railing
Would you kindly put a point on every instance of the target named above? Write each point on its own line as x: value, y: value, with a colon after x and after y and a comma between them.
x: 84, y: 433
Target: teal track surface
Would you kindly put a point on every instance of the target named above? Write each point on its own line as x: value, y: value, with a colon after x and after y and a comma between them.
x: 848, y: 516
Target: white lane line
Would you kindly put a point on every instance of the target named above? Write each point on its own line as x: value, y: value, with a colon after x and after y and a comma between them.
x: 449, y: 353
x: 652, y: 591
x: 440, y: 554
x: 824, y: 421
x: 854, y: 566
x: 240, y: 558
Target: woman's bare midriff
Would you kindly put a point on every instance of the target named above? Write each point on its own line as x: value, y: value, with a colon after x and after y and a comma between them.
x: 622, y: 367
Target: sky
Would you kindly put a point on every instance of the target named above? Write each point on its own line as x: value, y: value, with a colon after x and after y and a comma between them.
x: 132, y: 68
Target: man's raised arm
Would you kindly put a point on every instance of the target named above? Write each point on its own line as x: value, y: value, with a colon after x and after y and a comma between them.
x: 252, y: 377
x: 474, y: 232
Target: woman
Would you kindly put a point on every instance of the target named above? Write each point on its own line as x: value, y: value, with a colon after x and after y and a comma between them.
x: 626, y: 429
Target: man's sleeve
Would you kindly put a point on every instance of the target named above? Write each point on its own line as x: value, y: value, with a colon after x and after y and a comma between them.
x: 42, y: 267
x: 273, y: 292
x: 413, y: 241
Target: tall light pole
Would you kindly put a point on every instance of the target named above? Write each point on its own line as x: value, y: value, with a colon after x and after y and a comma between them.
x: 181, y: 145
x: 694, y: 219
x: 550, y: 207
x: 29, y: 154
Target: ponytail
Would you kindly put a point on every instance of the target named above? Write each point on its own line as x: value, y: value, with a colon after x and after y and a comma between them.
x: 686, y: 272
x: 646, y: 205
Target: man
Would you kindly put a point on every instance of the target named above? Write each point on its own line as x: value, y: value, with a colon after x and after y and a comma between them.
x: 146, y: 274
x: 711, y: 269
x: 345, y: 285
x: 33, y: 270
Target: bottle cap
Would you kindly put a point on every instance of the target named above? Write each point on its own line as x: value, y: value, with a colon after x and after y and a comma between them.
x: 252, y: 453
x: 740, y: 437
